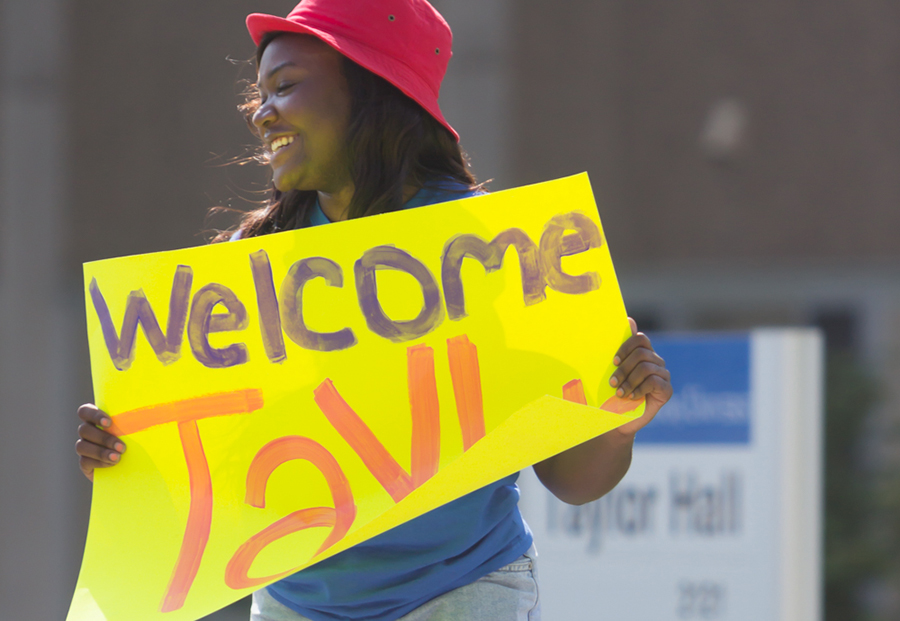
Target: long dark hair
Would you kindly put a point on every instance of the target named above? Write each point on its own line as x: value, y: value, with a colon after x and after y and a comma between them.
x: 393, y: 144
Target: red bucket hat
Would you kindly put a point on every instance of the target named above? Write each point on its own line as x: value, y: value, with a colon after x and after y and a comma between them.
x: 406, y: 42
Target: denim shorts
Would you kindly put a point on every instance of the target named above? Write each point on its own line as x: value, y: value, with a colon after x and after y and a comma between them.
x: 508, y: 594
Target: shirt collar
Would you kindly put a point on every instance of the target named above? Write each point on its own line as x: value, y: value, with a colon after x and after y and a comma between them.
x: 439, y: 191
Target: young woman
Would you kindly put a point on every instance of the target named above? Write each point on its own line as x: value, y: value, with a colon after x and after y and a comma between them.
x: 347, y: 111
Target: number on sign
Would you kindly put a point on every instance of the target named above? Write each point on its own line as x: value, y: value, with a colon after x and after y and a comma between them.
x: 700, y: 600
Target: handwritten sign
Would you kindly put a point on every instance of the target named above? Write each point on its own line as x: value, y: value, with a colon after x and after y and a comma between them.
x: 286, y: 397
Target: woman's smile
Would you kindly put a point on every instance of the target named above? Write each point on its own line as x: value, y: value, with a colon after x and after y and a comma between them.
x: 279, y: 143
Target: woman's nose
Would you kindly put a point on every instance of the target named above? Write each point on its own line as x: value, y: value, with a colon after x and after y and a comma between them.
x: 264, y: 115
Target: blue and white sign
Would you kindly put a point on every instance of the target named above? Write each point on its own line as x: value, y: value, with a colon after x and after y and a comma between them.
x: 711, y: 404
x: 719, y: 515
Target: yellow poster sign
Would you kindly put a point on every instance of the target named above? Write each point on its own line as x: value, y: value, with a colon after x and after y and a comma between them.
x: 289, y: 396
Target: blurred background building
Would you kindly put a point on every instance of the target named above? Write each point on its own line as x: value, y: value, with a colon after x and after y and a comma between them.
x: 745, y: 157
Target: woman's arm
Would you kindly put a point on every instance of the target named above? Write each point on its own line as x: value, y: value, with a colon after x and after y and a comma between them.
x: 590, y: 470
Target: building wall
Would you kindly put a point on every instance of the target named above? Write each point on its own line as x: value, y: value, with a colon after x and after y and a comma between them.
x: 746, y: 131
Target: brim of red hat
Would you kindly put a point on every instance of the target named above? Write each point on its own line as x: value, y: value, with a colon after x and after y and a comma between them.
x: 398, y: 74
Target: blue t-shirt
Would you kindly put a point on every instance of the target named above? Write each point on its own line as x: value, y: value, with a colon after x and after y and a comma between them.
x: 390, y: 575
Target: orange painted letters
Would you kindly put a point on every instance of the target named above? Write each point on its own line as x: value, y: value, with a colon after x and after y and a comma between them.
x: 339, y: 519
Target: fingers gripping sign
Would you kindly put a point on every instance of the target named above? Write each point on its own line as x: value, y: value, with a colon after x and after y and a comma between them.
x: 96, y: 447
x: 641, y: 374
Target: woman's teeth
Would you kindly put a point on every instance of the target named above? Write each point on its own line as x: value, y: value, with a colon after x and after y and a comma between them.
x: 280, y: 143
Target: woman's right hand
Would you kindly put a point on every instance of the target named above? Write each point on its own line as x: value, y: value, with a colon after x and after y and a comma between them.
x: 96, y: 448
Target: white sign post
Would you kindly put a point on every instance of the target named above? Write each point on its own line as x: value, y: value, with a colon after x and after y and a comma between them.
x: 720, y: 515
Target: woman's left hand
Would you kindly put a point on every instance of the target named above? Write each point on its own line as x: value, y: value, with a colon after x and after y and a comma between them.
x: 642, y: 374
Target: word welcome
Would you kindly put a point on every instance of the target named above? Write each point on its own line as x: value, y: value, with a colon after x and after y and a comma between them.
x: 281, y: 313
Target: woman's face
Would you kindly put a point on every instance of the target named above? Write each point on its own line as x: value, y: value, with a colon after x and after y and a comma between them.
x: 303, y: 114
